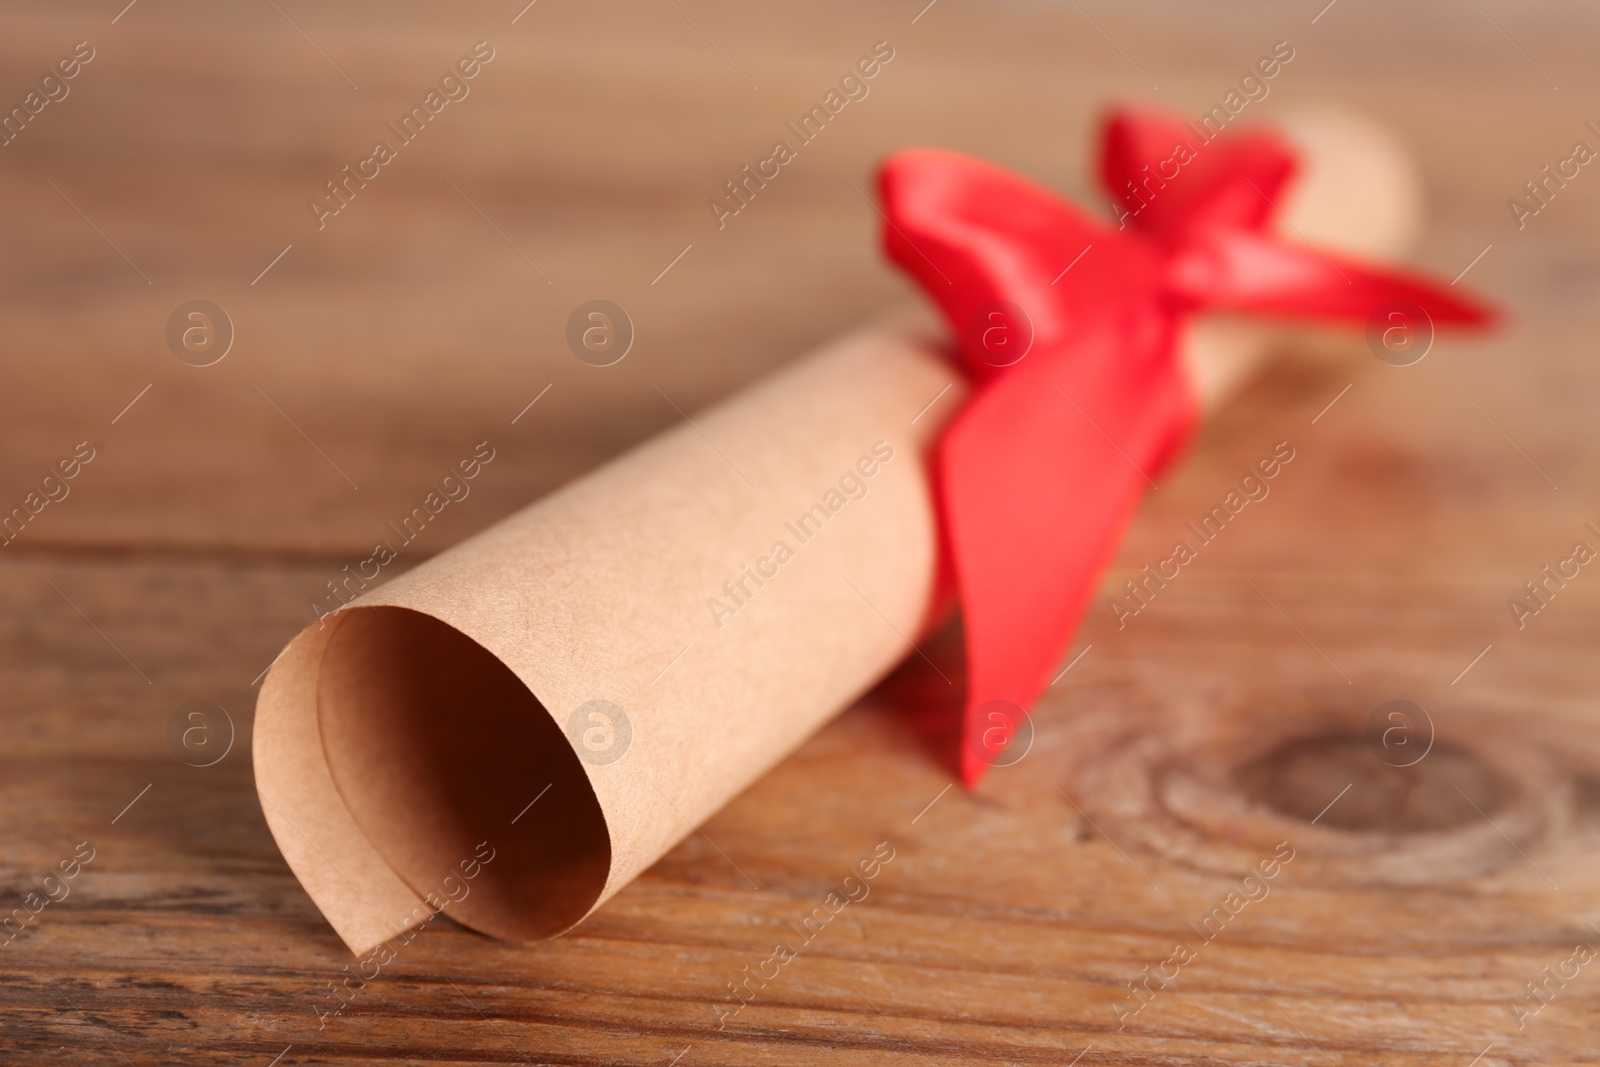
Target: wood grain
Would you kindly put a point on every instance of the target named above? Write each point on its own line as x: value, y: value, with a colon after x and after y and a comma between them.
x: 1172, y: 758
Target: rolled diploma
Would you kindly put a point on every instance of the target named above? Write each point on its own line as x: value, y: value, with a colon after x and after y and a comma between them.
x: 435, y: 744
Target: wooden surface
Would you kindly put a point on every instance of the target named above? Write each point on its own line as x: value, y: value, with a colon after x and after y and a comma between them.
x: 1172, y: 757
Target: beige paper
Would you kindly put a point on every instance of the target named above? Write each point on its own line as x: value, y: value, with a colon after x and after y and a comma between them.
x: 518, y: 727
x: 441, y: 698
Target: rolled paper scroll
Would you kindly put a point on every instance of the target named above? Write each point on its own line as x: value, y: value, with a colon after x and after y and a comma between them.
x: 513, y: 730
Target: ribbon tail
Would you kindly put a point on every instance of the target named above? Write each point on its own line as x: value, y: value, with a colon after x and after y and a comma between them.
x: 1263, y: 275
x: 1039, y: 476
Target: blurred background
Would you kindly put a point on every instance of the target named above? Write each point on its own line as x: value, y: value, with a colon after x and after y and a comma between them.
x: 580, y: 166
x: 366, y: 351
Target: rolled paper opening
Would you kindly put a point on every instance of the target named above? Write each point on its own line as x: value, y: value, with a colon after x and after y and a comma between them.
x: 444, y: 758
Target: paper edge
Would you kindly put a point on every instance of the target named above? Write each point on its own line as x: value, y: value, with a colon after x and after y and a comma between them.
x: 304, y: 811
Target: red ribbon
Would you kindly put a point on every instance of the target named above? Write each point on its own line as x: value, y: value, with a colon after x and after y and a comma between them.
x: 1070, y: 329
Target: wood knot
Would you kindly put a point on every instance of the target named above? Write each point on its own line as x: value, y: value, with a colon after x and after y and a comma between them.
x: 1449, y: 787
x: 1371, y: 792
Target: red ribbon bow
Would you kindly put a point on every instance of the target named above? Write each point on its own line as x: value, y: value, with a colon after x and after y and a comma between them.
x: 1070, y: 331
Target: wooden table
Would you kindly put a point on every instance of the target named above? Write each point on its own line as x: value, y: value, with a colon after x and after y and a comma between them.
x: 1011, y: 926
